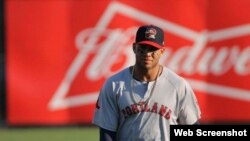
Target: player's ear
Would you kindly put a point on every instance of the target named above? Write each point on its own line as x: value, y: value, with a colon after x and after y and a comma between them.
x: 162, y: 50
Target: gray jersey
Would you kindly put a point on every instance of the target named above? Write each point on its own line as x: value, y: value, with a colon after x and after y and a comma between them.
x: 172, y: 102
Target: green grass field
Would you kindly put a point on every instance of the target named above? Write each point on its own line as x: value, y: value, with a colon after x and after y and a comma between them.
x: 50, y: 134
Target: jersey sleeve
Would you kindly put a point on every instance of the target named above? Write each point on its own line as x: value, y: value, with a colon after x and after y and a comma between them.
x: 106, y: 112
x: 189, y: 111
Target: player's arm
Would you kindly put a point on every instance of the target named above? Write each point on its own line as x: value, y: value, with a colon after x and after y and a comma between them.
x: 106, y: 135
x: 197, y: 123
x: 189, y: 112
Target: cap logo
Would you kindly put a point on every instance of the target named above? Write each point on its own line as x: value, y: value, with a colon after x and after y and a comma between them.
x: 150, y: 33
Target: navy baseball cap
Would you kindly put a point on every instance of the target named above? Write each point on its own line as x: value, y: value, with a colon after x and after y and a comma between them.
x: 150, y: 35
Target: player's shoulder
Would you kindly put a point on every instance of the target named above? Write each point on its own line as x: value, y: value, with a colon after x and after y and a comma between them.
x: 120, y: 75
x: 173, y: 78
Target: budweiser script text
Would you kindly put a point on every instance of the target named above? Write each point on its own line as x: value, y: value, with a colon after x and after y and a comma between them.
x: 112, y: 46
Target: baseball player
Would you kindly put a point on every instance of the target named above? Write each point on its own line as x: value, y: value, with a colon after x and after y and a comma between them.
x: 140, y: 102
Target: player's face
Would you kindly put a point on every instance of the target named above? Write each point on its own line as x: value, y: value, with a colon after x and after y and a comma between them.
x: 147, y: 56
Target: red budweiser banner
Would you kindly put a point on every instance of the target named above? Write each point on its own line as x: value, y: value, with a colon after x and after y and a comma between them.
x: 59, y: 53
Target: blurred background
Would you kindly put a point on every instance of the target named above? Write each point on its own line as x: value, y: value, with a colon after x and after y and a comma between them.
x: 56, y: 54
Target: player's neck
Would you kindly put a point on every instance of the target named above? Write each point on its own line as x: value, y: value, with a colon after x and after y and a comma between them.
x: 148, y: 75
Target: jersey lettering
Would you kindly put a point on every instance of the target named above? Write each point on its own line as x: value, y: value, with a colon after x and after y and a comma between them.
x: 135, y: 108
x: 154, y: 109
x: 164, y: 111
x: 144, y: 107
